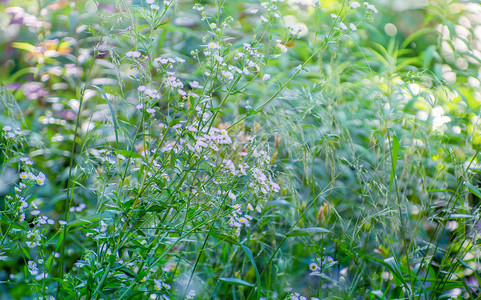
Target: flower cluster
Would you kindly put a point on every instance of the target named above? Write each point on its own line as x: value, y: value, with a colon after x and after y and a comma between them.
x: 319, y: 266
x: 10, y: 133
x: 20, y: 16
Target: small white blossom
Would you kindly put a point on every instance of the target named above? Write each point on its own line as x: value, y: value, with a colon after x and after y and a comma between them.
x: 355, y: 5
x: 213, y: 46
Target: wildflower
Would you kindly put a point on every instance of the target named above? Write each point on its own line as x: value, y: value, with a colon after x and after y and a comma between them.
x: 227, y: 75
x: 158, y: 285
x: 194, y: 84
x: 313, y: 267
x: 232, y: 196
x: 143, y: 242
x: 370, y: 7
x: 281, y: 46
x: 191, y: 294
x: 133, y: 54
x: 34, y: 90
x: 334, y: 16
x: 154, y: 7
x: 342, y: 26
x: 316, y: 3
x: 329, y: 260
x: 23, y: 175
x: 35, y: 212
x: 355, y: 5
x: 62, y: 222
x: 353, y: 27
x: 213, y: 46
x: 7, y: 128
x: 244, y: 221
x: 41, y: 178
x: 266, y: 77
x: 166, y: 286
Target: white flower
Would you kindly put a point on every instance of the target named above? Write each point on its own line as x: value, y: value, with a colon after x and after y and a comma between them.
x: 7, y: 128
x: 158, y: 285
x: 133, y: 54
x: 313, y: 267
x: 281, y: 47
x: 213, y: 45
x: 244, y: 221
x: 166, y: 286
x: 227, y: 75
x: 266, y: 77
x: 355, y: 5
x: 154, y: 7
x: 40, y: 178
x: 343, y: 26
x: 371, y: 8
x: 353, y: 27
x: 231, y: 195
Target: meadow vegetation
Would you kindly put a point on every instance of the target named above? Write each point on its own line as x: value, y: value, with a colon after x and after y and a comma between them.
x: 217, y: 149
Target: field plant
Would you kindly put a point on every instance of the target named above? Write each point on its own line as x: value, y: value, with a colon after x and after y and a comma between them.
x: 278, y: 149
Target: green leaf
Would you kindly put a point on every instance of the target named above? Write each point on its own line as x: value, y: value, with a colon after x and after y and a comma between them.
x: 235, y: 281
x: 87, y: 220
x: 307, y: 231
x: 24, y: 46
x: 459, y: 216
x: 114, y: 118
x: 476, y: 274
x: 395, y: 149
x: 128, y: 154
x: 248, y: 252
x: 473, y: 189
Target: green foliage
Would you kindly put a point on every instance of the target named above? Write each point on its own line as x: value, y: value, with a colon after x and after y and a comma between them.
x: 239, y: 150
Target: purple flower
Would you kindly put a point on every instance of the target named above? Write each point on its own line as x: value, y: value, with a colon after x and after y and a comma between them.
x: 34, y: 90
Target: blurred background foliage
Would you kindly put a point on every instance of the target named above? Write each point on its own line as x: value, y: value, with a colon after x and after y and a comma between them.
x: 377, y: 139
